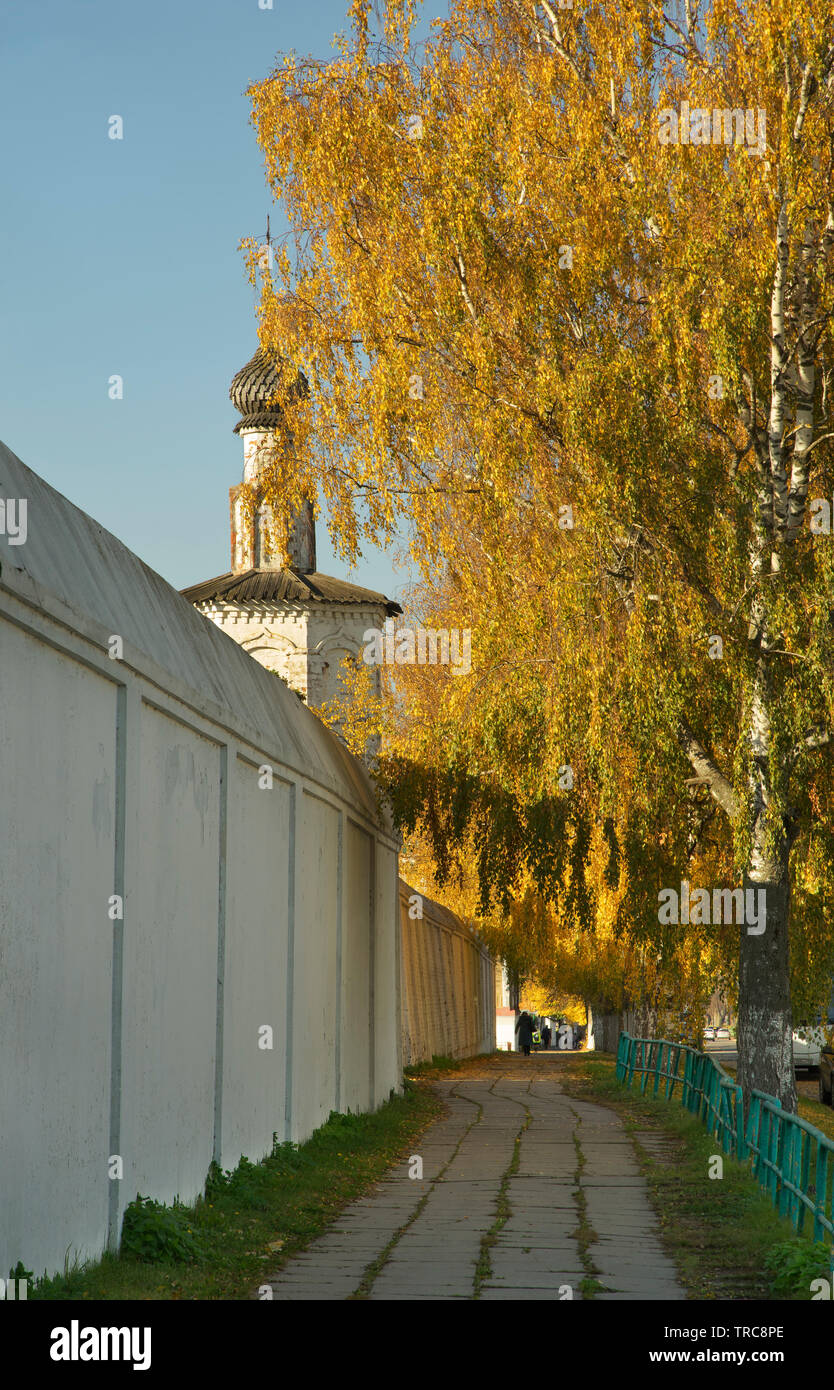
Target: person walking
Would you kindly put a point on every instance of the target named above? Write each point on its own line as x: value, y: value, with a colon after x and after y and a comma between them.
x: 524, y: 1029
x: 546, y: 1035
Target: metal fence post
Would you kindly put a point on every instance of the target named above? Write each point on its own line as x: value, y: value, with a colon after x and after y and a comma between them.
x: 741, y: 1142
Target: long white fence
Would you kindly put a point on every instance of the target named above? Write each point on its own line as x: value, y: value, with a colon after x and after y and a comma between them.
x: 448, y: 984
x: 199, y: 915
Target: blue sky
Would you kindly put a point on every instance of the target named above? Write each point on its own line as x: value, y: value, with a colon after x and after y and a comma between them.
x: 120, y: 257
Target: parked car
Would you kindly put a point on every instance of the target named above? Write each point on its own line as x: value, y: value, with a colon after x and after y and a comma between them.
x: 723, y: 1033
x: 812, y: 1041
x: 807, y: 1047
x: 709, y: 1034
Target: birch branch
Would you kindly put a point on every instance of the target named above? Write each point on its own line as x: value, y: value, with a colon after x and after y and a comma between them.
x: 776, y: 421
x: 708, y: 772
x: 464, y: 289
x: 817, y: 737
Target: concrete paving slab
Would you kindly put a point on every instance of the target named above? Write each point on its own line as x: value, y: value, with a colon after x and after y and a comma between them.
x: 438, y: 1223
x: 494, y: 1295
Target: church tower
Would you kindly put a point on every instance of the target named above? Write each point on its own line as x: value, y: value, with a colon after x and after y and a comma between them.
x: 293, y: 620
x: 255, y: 542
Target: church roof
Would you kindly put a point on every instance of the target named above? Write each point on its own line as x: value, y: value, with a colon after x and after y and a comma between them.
x: 256, y: 391
x: 285, y: 586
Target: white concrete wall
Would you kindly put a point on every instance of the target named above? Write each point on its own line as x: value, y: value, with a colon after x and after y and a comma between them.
x: 315, y: 996
x: 254, y: 1084
x: 57, y: 748
x: 357, y: 940
x: 447, y: 980
x: 243, y: 907
x: 387, y: 1035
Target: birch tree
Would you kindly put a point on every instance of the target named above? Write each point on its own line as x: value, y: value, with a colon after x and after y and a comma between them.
x: 561, y: 282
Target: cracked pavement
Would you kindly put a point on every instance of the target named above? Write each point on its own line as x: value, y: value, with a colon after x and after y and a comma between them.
x: 525, y: 1194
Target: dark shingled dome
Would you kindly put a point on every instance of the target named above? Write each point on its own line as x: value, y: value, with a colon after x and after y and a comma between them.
x: 257, y: 389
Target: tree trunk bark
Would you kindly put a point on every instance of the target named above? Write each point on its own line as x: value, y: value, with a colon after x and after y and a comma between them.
x: 607, y: 1029
x: 646, y: 1017
x: 765, y: 1046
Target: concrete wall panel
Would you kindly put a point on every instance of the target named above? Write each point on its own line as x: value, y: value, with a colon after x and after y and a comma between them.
x: 315, y: 982
x: 256, y: 953
x: 57, y: 741
x: 357, y: 959
x: 447, y: 982
x: 387, y: 1068
x: 170, y: 966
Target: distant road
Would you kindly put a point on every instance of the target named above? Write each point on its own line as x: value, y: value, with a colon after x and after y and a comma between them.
x: 724, y: 1051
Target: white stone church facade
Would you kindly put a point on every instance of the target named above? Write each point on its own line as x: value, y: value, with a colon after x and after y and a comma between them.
x: 295, y: 621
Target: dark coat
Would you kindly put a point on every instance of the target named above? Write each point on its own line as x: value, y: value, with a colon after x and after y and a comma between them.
x: 524, y: 1028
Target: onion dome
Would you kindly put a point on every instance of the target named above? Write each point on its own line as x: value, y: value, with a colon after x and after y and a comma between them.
x: 258, y: 389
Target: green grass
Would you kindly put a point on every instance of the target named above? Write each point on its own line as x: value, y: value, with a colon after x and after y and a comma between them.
x: 724, y: 1234
x: 817, y: 1114
x: 251, y: 1220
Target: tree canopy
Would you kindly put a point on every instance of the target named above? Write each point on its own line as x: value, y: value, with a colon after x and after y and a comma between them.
x: 561, y: 286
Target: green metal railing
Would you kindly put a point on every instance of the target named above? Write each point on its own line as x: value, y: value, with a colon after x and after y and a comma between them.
x: 793, y: 1161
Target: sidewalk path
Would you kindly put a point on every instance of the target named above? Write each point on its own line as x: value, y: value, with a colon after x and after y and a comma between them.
x: 525, y: 1194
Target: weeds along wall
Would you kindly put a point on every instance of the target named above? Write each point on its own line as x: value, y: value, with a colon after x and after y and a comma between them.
x: 448, y: 984
x: 191, y: 960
